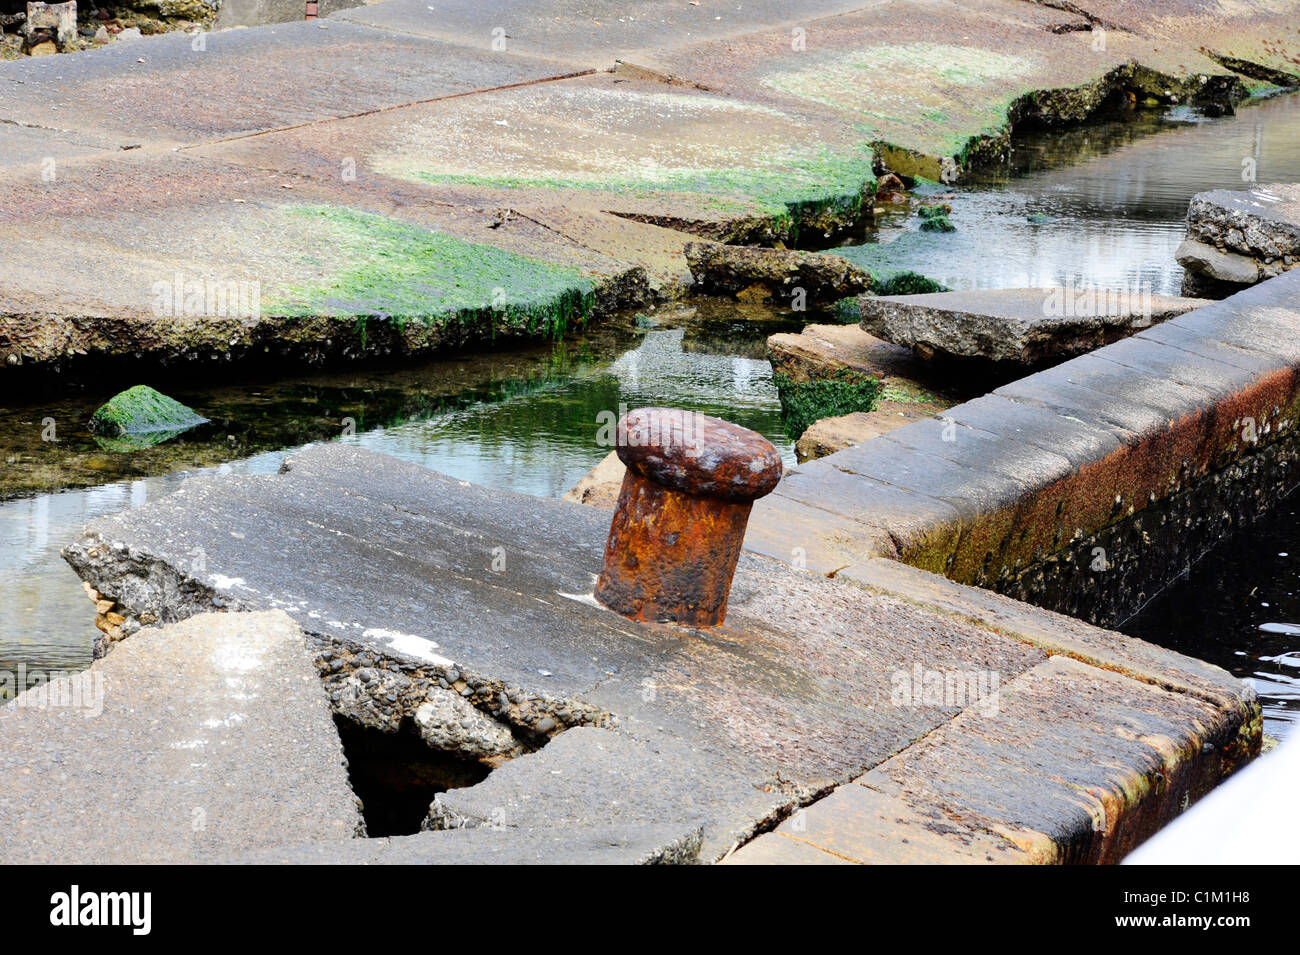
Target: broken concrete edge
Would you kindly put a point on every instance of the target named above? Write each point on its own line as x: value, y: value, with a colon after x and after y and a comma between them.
x: 208, y: 736
x: 992, y: 488
x: 506, y: 722
x: 34, y: 343
x: 357, y: 681
x: 1236, y: 238
x: 1060, y: 106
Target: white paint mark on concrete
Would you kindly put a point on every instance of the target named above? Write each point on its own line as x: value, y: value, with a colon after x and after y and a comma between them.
x: 408, y: 643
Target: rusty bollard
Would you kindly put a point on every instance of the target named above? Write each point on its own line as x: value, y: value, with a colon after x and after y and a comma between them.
x: 680, y: 522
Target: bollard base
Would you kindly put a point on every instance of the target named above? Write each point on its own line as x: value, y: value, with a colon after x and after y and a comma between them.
x: 670, y: 557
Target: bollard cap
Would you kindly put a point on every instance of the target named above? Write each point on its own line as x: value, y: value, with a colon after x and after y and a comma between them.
x: 698, y: 455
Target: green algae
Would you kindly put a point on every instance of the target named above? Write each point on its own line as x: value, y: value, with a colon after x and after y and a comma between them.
x: 141, y: 417
x: 935, y: 219
x: 400, y: 272
x: 805, y: 402
x: 792, y: 189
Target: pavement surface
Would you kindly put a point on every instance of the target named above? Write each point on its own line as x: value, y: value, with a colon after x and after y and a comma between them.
x: 205, y: 738
x: 390, y: 568
x: 511, y: 167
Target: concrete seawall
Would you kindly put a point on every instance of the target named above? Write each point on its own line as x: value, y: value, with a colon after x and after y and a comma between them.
x: 1084, y: 488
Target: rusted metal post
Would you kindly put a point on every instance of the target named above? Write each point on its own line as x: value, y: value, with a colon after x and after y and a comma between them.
x: 680, y: 522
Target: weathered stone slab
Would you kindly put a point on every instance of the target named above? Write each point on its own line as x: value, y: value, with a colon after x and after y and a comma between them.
x: 202, y: 739
x: 176, y: 88
x: 1024, y: 326
x: 857, y: 824
x: 600, y: 486
x: 1205, y: 260
x: 1240, y: 237
x: 385, y: 273
x: 1047, y: 722
x: 1056, y: 633
x: 591, y: 36
x: 1242, y: 37
x: 585, y: 778
x: 710, y: 165
x: 1073, y: 764
x: 766, y: 275
x: 823, y: 351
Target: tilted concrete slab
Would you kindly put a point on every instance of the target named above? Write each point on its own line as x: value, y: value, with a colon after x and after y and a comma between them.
x: 822, y: 351
x: 390, y: 568
x: 703, y: 162
x: 829, y: 435
x: 296, y: 260
x: 1242, y: 236
x: 932, y: 82
x: 591, y: 34
x: 1022, y: 326
x: 165, y: 91
x: 205, y: 738
x: 1245, y: 34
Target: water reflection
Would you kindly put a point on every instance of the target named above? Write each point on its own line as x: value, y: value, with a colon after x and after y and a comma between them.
x: 533, y: 433
x: 1240, y: 608
x: 1112, y: 200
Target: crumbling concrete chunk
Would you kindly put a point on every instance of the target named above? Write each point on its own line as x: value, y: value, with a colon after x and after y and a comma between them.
x: 446, y: 722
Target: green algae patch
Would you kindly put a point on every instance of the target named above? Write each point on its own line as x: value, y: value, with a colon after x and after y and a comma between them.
x: 898, y: 267
x: 139, y: 418
x: 935, y: 219
x: 821, y: 191
x: 904, y: 282
x: 401, y: 273
x: 805, y: 402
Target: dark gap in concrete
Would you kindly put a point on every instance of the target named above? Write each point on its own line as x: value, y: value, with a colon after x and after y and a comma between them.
x: 396, y: 775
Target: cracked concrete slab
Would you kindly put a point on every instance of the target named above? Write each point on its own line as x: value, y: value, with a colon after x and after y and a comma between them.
x: 591, y: 34
x: 208, y: 737
x: 709, y: 164
x: 165, y: 91
x: 933, y: 82
x: 390, y: 567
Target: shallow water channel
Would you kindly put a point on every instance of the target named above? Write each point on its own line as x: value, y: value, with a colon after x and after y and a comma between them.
x: 1109, y: 200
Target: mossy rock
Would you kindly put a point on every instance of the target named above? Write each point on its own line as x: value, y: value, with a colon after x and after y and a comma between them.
x: 935, y: 219
x: 805, y: 402
x: 144, y: 414
x: 906, y: 282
